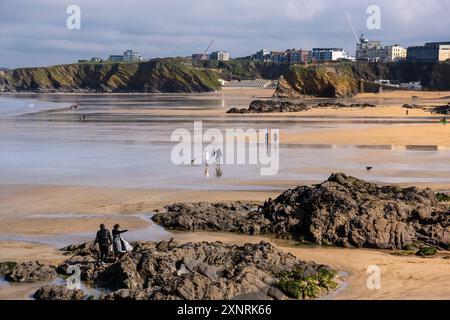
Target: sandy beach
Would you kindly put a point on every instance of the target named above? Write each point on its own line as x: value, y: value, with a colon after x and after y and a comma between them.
x: 402, y: 277
x: 71, y: 201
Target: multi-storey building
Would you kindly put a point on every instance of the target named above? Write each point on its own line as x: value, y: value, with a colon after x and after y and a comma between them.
x: 128, y: 55
x: 393, y: 53
x: 199, y: 56
x: 373, y: 51
x: 131, y: 55
x: 328, y: 54
x: 262, y: 55
x: 430, y: 52
x: 220, y: 56
x: 290, y: 56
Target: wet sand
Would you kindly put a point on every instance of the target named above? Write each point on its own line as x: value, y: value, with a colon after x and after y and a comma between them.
x: 27, y: 210
x: 401, y: 277
x: 398, y: 135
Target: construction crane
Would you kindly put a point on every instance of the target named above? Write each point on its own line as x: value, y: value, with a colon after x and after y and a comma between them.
x: 210, y: 44
x: 353, y: 29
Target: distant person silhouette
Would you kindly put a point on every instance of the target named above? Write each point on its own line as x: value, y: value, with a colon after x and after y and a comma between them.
x: 275, y: 137
x: 218, y: 155
x: 219, y: 171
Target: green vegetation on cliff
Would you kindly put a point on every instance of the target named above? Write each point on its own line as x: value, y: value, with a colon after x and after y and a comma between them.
x: 159, y: 75
x: 340, y: 80
x: 184, y: 75
x: 318, y: 80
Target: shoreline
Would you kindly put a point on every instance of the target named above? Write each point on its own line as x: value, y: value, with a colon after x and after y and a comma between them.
x: 58, y: 210
x: 430, y: 281
x: 403, y: 277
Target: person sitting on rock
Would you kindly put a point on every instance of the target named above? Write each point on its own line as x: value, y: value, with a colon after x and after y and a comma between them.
x: 120, y: 245
x: 104, y: 240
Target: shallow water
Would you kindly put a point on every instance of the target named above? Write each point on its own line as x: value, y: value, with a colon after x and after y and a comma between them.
x: 153, y: 232
x: 136, y: 154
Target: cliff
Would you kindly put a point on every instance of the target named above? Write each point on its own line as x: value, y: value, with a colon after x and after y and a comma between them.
x: 341, y: 80
x: 335, y: 81
x: 159, y: 75
x: 184, y: 75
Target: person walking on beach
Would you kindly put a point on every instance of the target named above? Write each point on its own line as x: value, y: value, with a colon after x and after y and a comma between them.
x: 104, y: 240
x: 267, y: 137
x: 218, y: 154
x: 207, y: 156
x: 275, y: 137
x: 119, y: 244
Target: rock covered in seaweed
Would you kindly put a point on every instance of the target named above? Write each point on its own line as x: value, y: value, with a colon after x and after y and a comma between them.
x: 192, y: 271
x: 342, y: 211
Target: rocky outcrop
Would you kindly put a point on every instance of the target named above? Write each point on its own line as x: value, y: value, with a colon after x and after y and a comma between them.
x: 154, y: 76
x: 7, y: 267
x: 332, y: 81
x: 414, y: 106
x: 53, y: 292
x: 184, y: 75
x: 270, y: 106
x: 31, y: 272
x: 338, y: 80
x: 192, y: 271
x: 445, y: 109
x: 342, y: 211
x: 231, y: 217
x: 343, y: 105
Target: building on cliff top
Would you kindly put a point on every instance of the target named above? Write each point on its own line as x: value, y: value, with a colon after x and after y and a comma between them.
x: 430, y: 52
x: 219, y: 56
x: 328, y: 54
x: 373, y: 51
x: 128, y: 55
x: 287, y: 56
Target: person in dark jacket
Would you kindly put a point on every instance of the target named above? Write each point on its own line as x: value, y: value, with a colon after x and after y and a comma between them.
x: 104, y: 240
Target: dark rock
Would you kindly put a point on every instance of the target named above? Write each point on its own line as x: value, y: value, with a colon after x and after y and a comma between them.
x: 426, y: 252
x: 7, y: 267
x: 342, y: 105
x: 193, y: 271
x: 232, y: 217
x: 50, y: 292
x: 276, y: 293
x: 31, y: 272
x: 445, y: 109
x: 270, y: 106
x: 342, y: 211
x: 414, y: 106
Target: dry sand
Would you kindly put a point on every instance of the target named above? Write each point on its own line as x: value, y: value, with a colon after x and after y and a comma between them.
x: 402, y: 277
x: 396, y: 135
x: 26, y: 200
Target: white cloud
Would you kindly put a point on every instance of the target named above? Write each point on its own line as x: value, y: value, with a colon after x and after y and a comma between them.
x: 179, y: 27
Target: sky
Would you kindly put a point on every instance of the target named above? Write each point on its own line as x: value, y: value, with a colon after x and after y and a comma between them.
x: 34, y: 32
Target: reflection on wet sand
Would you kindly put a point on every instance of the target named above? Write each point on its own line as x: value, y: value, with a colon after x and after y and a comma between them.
x: 55, y: 161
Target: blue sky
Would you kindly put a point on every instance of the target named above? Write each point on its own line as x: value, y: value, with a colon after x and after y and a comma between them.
x: 34, y: 33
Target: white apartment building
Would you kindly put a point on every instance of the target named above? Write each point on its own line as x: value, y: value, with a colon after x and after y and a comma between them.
x: 220, y: 56
x: 393, y: 53
x: 373, y: 51
x: 328, y: 54
x: 128, y: 55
